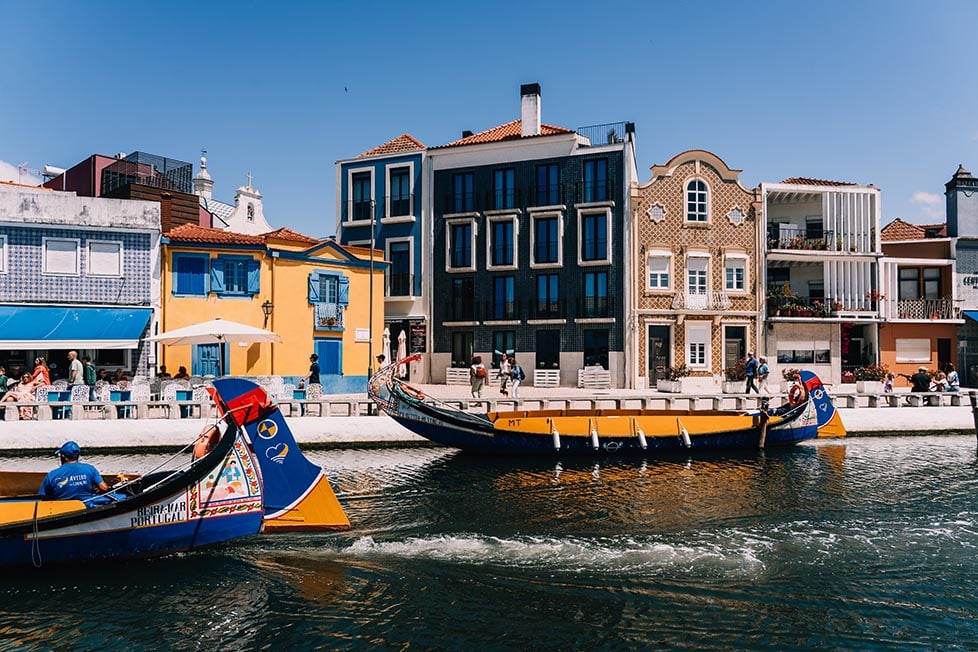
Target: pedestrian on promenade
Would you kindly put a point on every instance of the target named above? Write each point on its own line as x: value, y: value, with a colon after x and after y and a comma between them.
x: 90, y: 376
x: 751, y: 373
x: 888, y: 383
x: 312, y: 378
x: 504, y: 368
x: 516, y: 376
x: 3, y: 380
x: 381, y: 361
x: 477, y: 376
x: 76, y: 370
x: 763, y: 371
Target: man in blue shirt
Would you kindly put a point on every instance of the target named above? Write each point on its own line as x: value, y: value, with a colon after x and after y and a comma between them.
x: 73, y: 480
x: 752, y: 365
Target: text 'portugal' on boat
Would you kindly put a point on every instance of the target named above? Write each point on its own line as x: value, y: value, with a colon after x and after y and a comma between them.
x: 807, y: 413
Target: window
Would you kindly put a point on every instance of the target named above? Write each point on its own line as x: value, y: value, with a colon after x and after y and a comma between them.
x: 362, y: 183
x: 190, y: 274
x: 462, y: 348
x: 548, y: 185
x: 251, y: 213
x: 909, y: 283
x: 594, y: 237
x: 596, y: 347
x: 329, y: 293
x: 501, y: 242
x: 932, y: 283
x: 461, y: 307
x: 502, y: 342
x: 3, y: 254
x: 548, y: 296
x: 814, y: 230
x: 235, y: 275
x: 777, y: 277
x: 504, y: 194
x: 104, y: 258
x: 329, y: 289
x: 60, y: 256
x: 399, y: 280
x: 660, y: 264
x: 462, y: 192
x: 596, y: 180
x: 735, y: 274
x: 546, y: 240
x: 912, y: 350
x: 400, y: 192
x: 696, y: 274
x: 596, y: 294
x: 503, y: 299
x: 461, y: 241
x: 697, y: 207
x: 697, y: 344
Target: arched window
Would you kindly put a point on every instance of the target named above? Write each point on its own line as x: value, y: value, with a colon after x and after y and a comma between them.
x: 251, y: 212
x: 697, y: 206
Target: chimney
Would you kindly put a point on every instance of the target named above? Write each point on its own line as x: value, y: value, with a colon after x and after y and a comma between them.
x: 530, y: 110
x: 466, y: 133
x: 166, y: 212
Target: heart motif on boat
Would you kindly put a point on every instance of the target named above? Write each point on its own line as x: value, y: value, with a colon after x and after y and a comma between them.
x: 277, y: 453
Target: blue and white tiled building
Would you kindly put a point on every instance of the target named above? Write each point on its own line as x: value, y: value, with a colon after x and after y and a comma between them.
x: 77, y: 273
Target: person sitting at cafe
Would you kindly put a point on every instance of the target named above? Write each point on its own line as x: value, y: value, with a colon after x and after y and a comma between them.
x: 41, y: 371
x: 181, y: 374
x: 163, y: 374
x: 23, y: 392
x: 3, y: 380
x: 103, y: 375
x: 120, y: 377
x: 74, y: 480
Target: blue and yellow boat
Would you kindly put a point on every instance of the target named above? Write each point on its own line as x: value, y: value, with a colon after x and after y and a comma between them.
x: 808, y: 415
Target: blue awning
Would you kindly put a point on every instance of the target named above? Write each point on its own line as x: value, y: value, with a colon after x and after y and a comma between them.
x: 971, y: 314
x: 52, y: 327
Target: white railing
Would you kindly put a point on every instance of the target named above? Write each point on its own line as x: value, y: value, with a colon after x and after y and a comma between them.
x: 704, y: 301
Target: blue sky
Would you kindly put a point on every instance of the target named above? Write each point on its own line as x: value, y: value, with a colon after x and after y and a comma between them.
x: 871, y: 91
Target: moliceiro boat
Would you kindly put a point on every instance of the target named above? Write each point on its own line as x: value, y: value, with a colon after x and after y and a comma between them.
x: 246, y: 474
x: 808, y: 413
x: 211, y: 499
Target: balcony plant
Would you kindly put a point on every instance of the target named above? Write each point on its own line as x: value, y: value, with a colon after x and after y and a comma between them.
x: 734, y: 377
x: 673, y: 378
x: 870, y: 378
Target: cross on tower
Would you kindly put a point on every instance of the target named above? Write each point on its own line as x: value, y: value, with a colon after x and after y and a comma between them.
x: 250, y: 177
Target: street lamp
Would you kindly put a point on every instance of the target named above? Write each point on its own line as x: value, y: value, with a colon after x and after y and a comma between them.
x: 370, y: 308
x: 267, y: 308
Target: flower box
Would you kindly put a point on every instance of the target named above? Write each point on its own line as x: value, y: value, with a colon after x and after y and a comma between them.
x: 674, y: 386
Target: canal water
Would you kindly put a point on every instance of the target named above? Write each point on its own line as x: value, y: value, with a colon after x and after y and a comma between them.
x: 870, y: 543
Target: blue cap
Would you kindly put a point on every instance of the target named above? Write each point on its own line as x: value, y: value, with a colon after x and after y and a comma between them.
x: 69, y: 449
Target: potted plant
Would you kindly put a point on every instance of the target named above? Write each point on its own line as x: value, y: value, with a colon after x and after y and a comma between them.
x: 735, y: 377
x: 870, y: 378
x: 673, y: 379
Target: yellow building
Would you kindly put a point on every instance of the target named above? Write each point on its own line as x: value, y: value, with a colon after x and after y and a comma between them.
x: 317, y: 294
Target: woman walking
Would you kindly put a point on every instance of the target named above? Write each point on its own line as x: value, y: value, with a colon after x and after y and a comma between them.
x: 477, y: 376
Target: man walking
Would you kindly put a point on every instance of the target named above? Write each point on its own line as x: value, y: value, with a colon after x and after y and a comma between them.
x: 751, y: 373
x: 76, y: 371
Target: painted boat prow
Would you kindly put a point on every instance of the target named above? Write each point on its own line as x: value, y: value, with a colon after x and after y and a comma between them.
x: 298, y: 496
x: 829, y: 420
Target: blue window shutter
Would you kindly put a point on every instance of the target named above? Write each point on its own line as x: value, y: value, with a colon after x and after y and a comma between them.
x: 254, y: 276
x: 314, y: 288
x: 344, y: 291
x: 217, y: 275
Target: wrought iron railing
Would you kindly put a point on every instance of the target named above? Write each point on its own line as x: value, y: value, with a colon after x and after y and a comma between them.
x: 780, y: 236
x: 328, y: 315
x: 942, y: 308
x: 606, y: 134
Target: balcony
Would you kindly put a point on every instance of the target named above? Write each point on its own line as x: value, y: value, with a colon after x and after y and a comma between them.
x: 328, y: 317
x: 819, y: 308
x: 701, y: 301
x: 924, y: 309
x: 786, y: 236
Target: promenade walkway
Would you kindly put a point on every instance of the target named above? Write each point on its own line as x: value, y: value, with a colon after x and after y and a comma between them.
x: 350, y: 431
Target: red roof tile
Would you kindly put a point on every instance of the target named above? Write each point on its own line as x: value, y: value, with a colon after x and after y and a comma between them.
x: 403, y: 143
x: 23, y: 185
x: 805, y: 181
x: 898, y: 230
x: 508, y: 131
x: 285, y: 233
x: 194, y: 233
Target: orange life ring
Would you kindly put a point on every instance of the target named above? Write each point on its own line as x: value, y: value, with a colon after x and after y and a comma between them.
x: 413, y: 392
x: 796, y: 395
x: 206, y: 442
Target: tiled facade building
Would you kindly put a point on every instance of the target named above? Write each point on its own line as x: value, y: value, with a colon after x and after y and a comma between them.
x: 696, y: 262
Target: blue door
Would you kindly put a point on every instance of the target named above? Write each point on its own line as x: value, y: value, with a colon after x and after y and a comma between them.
x: 207, y: 359
x: 330, y: 352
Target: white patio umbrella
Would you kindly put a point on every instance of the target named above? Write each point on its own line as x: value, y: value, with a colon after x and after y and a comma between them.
x: 215, y: 331
x: 386, y: 350
x: 402, y: 353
